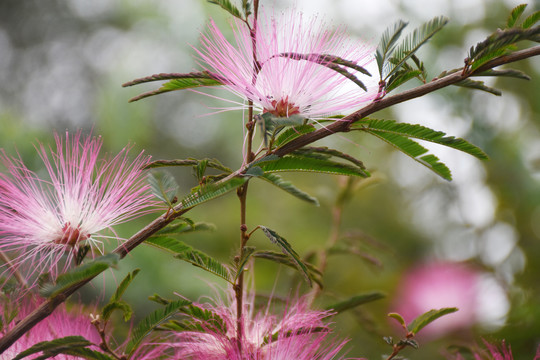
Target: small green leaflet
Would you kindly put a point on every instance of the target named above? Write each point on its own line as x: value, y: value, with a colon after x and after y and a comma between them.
x: 287, y: 250
x: 310, y: 164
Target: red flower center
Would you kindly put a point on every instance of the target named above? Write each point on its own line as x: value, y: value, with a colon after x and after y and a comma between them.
x: 283, y: 108
x: 71, y: 236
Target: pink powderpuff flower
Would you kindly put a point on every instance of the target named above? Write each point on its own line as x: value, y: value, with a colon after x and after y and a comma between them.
x: 435, y: 286
x: 290, y: 77
x: 59, y: 324
x: 42, y: 220
x: 298, y: 334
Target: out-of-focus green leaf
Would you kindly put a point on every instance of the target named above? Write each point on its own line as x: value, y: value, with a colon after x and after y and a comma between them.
x: 515, y: 15
x: 228, y: 6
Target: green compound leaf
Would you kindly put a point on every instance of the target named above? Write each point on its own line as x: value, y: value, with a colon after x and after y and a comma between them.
x: 211, y: 163
x: 211, y: 191
x: 292, y: 133
x: 517, y: 74
x: 205, y: 262
x: 163, y: 186
x: 289, y: 187
x: 180, y: 228
x: 284, y: 259
x: 421, y: 321
x: 79, y: 274
x: 400, y: 78
x: 325, y: 153
x: 515, y: 15
x: 228, y: 6
x: 54, y: 347
x: 419, y: 132
x: 387, y: 45
x: 355, y: 301
x: 310, y: 164
x: 176, y: 82
x: 186, y: 253
x: 478, y: 85
x: 413, y: 42
x: 169, y: 244
x: 289, y: 251
x: 211, y: 321
x: 500, y: 43
x: 148, y: 324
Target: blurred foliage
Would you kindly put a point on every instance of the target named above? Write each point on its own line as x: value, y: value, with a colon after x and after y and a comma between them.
x: 62, y: 64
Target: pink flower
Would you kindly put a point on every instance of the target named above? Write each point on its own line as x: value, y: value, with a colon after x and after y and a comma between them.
x: 60, y: 323
x: 298, y: 333
x: 495, y: 353
x: 42, y: 220
x: 292, y: 78
x: 435, y: 286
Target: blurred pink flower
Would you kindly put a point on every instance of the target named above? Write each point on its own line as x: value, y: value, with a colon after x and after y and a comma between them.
x: 42, y: 220
x: 287, y: 84
x: 298, y: 334
x: 60, y: 323
x: 493, y: 353
x: 435, y: 286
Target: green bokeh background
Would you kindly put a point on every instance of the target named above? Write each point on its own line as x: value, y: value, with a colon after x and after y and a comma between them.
x: 61, y: 67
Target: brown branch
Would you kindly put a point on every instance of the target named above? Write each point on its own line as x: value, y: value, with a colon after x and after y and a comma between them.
x: 343, y: 125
